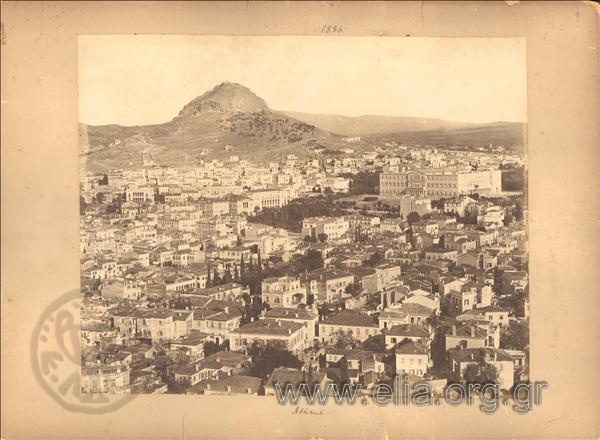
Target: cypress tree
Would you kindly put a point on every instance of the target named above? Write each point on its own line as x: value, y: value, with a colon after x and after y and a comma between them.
x: 242, y: 268
x: 208, y: 278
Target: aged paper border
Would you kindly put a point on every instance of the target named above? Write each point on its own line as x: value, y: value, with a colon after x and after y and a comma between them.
x: 40, y: 175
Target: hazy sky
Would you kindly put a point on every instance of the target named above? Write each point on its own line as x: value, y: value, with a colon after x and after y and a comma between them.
x: 130, y: 80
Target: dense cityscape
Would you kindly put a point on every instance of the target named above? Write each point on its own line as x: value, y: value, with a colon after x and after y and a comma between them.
x: 229, y: 276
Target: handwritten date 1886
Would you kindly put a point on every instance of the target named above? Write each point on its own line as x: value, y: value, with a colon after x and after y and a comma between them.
x: 332, y: 29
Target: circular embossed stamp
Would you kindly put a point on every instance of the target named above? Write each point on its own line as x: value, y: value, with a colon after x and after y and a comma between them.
x: 56, y: 359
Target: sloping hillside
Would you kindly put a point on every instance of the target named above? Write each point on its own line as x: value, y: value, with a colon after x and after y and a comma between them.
x: 228, y: 120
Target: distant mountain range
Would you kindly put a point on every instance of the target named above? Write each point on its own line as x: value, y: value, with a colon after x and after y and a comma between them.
x: 373, y: 124
x: 510, y: 135
x: 231, y: 120
x: 436, y: 132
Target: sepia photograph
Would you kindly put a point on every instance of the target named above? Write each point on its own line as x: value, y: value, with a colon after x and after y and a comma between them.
x: 299, y: 220
x: 277, y: 215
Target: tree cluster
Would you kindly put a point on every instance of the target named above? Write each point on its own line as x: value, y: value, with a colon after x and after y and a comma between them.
x: 266, y: 359
x: 290, y: 217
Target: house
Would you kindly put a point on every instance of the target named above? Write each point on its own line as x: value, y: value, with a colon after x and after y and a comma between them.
x: 132, y: 354
x: 414, y: 332
x: 183, y: 321
x: 112, y: 378
x: 239, y: 204
x: 182, y: 282
x: 97, y: 333
x: 162, y: 256
x: 416, y: 313
x: 303, y: 316
x: 336, y: 184
x: 106, y: 371
x: 364, y: 361
x: 462, y: 245
x: 492, y: 216
x: 393, y: 292
x: 460, y: 359
x: 425, y: 227
x: 139, y: 194
x: 285, y: 334
x: 221, y: 362
x: 360, y: 325
x: 231, y: 384
x: 513, y: 281
x: 362, y: 222
x: 331, y: 227
x: 121, y: 290
x: 283, y: 376
x: 457, y: 205
x: 324, y: 249
x: 214, y: 207
x: 423, y: 298
x: 362, y: 226
x: 448, y: 284
x: 412, y: 358
x: 442, y: 220
x: 440, y: 253
x: 328, y: 285
x: 283, y: 292
x: 269, y: 198
x: 154, y: 324
x: 482, y: 238
x: 277, y: 243
x: 185, y: 257
x: 471, y: 295
x: 462, y: 300
x: 355, y: 302
x: 221, y: 324
x: 353, y: 365
x: 468, y: 335
x: 217, y: 318
x: 192, y: 343
x: 496, y: 315
x: 219, y: 226
x: 393, y: 225
x: 478, y: 259
x: 382, y: 275
x: 391, y: 318
x: 227, y: 291
x: 235, y: 253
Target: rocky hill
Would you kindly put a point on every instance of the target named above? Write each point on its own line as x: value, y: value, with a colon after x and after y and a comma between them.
x: 227, y: 120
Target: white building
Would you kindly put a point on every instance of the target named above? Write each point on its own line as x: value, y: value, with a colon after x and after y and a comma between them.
x: 333, y: 227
